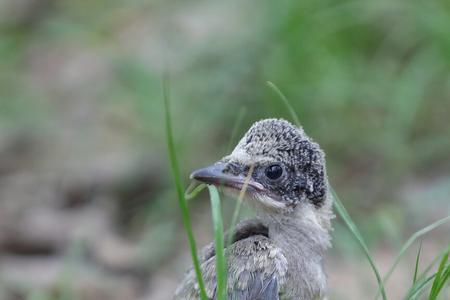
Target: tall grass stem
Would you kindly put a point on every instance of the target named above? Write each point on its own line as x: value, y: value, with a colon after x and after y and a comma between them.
x: 408, y: 244
x: 357, y: 234
x: 286, y: 102
x: 416, y: 267
x: 239, y: 204
x: 180, y: 191
x: 221, y: 266
x: 240, y: 117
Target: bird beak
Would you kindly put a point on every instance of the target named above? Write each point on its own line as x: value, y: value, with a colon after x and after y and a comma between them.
x: 215, y: 175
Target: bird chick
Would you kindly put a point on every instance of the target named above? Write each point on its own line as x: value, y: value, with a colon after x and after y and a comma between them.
x: 279, y: 254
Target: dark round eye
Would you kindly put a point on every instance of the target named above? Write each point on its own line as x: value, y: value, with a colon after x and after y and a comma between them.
x: 274, y: 172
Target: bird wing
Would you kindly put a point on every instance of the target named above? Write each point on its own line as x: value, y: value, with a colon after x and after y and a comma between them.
x: 260, y: 288
x: 256, y: 268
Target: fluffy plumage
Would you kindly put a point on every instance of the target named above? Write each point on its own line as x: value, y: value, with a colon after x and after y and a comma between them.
x: 279, y: 254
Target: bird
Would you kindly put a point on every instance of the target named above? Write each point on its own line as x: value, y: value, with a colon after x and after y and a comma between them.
x: 280, y: 253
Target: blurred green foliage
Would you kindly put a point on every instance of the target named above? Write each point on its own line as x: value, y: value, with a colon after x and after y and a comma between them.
x: 369, y: 79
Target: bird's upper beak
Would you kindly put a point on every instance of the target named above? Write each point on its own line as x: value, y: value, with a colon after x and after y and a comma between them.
x: 215, y: 175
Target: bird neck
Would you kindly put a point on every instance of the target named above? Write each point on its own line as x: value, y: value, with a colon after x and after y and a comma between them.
x: 306, y: 228
x: 303, y: 235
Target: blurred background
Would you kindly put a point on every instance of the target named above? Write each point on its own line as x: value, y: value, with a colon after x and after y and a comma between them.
x: 87, y: 204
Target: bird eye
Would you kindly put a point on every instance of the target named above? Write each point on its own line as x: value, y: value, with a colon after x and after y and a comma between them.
x: 274, y: 172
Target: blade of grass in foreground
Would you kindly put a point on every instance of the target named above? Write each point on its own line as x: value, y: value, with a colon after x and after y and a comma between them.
x: 422, y: 282
x: 445, y: 279
x: 236, y: 126
x: 337, y: 203
x: 221, y: 269
x: 408, y: 244
x: 441, y: 277
x: 355, y: 231
x: 416, y: 268
x: 419, y: 287
x: 285, y: 101
x: 180, y: 192
x: 193, y: 190
x: 424, y: 273
x: 238, y: 205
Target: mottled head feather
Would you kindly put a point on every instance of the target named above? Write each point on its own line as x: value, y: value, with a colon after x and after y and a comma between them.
x: 277, y: 142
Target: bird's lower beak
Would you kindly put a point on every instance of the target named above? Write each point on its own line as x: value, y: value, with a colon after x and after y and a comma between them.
x: 215, y: 175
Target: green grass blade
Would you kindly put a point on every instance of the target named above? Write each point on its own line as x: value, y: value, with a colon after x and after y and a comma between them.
x: 445, y: 278
x: 237, y: 124
x: 238, y: 205
x: 180, y: 192
x: 221, y: 268
x: 432, y: 263
x: 419, y: 287
x: 288, y: 105
x: 416, y: 268
x: 409, y: 242
x: 435, y: 288
x: 193, y: 190
x: 356, y: 233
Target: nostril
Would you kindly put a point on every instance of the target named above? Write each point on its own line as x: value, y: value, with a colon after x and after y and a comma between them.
x: 234, y: 168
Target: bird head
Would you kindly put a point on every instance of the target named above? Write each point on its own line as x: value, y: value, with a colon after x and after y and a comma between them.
x: 286, y: 168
